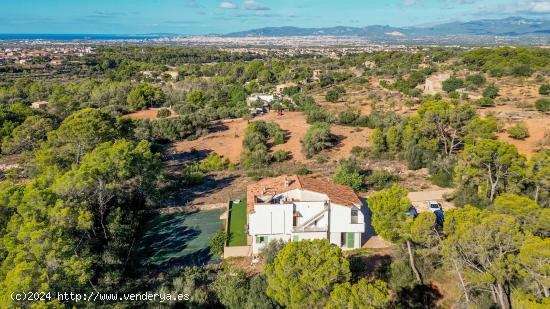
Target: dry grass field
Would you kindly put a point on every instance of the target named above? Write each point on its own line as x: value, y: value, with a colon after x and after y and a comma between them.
x: 226, y: 140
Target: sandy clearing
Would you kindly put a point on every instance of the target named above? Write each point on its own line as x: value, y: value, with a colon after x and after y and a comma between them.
x: 538, y: 127
x: 226, y: 138
x: 150, y: 113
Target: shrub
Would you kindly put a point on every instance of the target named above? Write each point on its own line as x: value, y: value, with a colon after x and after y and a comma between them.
x: 349, y: 174
x: 543, y: 105
x: 318, y: 114
x: 257, y: 157
x: 348, y: 117
x: 281, y: 155
x: 359, y: 152
x: 217, y: 242
x: 191, y: 174
x: 545, y: 89
x: 453, y: 84
x: 379, y: 180
x: 269, y: 252
x: 318, y: 137
x: 518, y: 131
x: 279, y: 138
x: 521, y: 70
x: 163, y: 113
x: 215, y: 162
x: 491, y: 91
x: 302, y: 170
x: 333, y: 95
x: 485, y: 102
x: 477, y: 80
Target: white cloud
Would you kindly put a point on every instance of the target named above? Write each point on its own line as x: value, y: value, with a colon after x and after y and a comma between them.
x: 254, y: 5
x: 228, y: 5
x: 538, y: 6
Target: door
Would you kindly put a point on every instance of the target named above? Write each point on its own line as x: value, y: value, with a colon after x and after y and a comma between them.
x: 351, y: 240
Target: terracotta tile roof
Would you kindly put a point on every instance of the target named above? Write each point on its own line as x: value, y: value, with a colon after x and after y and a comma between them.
x: 338, y: 194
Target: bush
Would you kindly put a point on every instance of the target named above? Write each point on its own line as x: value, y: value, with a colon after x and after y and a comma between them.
x: 348, y: 117
x: 333, y: 95
x: 191, y: 174
x: 318, y: 137
x: 521, y: 70
x: 485, y: 102
x: 281, y: 155
x: 491, y: 91
x: 453, y: 84
x: 543, y: 105
x: 349, y: 174
x: 217, y: 242
x: 545, y: 89
x: 269, y: 252
x: 257, y: 157
x: 318, y: 114
x: 379, y: 180
x: 476, y: 80
x: 163, y: 113
x: 359, y: 152
x: 518, y: 131
x: 279, y: 138
x: 302, y: 170
x: 215, y: 162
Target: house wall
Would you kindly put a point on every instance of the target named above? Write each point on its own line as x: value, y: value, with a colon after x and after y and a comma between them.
x: 271, y: 219
x: 256, y: 248
x: 275, y: 221
x: 340, y: 219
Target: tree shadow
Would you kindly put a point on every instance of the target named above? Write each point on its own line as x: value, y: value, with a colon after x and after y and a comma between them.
x: 178, y: 196
x: 372, y: 266
x: 420, y: 296
x: 217, y: 127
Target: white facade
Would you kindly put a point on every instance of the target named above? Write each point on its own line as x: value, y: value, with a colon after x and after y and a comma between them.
x: 301, y: 214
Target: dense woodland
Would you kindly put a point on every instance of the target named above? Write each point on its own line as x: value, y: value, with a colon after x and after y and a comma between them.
x: 86, y: 178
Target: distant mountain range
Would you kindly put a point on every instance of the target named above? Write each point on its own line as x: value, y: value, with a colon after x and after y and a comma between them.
x: 508, y: 27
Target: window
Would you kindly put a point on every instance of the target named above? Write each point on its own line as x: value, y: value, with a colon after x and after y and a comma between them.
x: 295, y: 238
x: 261, y: 239
x: 354, y: 216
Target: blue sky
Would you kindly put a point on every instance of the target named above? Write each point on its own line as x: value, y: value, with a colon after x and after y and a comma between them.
x: 215, y: 16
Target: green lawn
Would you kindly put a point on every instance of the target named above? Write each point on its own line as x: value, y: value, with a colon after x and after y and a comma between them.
x: 178, y: 239
x: 237, y: 221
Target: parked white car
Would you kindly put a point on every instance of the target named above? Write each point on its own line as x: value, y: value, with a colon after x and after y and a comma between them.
x: 434, y: 206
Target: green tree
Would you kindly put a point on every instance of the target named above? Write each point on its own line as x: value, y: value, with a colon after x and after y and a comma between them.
x: 482, y: 244
x: 257, y: 299
x: 363, y: 294
x: 446, y: 123
x: 389, y: 208
x: 453, y: 84
x: 305, y: 272
x: 28, y: 135
x: 349, y: 174
x: 377, y: 142
x: 317, y: 138
x: 525, y: 210
x: 491, y: 91
x: 217, y: 243
x: 78, y: 134
x: 534, y: 258
x: 492, y: 167
x: 539, y: 174
x: 145, y: 95
x: 542, y: 105
x: 231, y: 287
x: 518, y: 131
x: 544, y: 89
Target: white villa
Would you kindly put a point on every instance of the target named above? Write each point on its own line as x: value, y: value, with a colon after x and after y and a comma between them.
x: 293, y: 208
